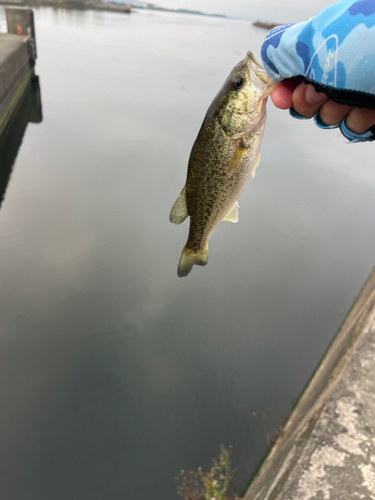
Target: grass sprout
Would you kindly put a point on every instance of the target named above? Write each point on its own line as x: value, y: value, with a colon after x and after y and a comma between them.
x: 216, y: 484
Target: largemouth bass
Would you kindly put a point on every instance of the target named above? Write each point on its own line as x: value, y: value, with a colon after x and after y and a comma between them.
x: 224, y: 155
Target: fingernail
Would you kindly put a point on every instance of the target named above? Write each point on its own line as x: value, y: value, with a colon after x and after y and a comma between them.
x: 313, y: 97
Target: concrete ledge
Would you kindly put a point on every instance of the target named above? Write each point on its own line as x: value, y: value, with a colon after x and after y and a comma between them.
x: 13, y: 57
x: 17, y: 60
x: 15, y: 73
x: 315, y: 451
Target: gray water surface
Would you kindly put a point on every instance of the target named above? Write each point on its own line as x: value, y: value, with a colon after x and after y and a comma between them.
x: 114, y: 373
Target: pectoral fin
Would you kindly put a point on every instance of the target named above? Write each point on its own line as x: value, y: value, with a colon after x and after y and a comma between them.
x: 256, y: 163
x: 236, y: 160
x: 179, y: 210
x: 232, y: 215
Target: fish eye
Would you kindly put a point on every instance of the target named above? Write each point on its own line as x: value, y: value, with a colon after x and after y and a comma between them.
x: 238, y: 83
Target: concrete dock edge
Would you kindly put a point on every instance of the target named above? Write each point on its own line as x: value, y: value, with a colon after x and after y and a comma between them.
x: 17, y: 60
x: 310, y: 425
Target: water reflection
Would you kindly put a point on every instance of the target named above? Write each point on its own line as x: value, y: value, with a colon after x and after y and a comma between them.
x: 115, y: 374
x: 29, y: 111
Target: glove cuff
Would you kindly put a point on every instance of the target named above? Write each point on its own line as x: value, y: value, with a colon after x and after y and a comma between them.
x: 348, y: 134
x: 352, y: 137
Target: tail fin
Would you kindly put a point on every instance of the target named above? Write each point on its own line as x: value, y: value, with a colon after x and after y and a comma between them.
x: 189, y: 259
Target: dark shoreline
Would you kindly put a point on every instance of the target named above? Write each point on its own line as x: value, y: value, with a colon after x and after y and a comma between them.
x: 177, y: 11
x: 125, y: 8
x: 265, y: 25
x: 75, y: 5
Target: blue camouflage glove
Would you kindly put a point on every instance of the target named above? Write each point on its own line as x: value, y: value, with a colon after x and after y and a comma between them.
x: 334, y: 51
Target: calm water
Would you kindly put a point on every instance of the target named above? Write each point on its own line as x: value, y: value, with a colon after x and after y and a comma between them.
x: 114, y: 373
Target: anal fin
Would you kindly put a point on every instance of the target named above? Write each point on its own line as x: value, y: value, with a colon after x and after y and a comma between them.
x: 179, y: 210
x: 232, y: 215
x: 256, y: 163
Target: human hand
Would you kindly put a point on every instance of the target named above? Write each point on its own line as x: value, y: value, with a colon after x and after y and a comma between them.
x: 305, y: 58
x: 303, y: 99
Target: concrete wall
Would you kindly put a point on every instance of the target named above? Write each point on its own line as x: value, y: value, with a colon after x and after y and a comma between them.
x: 23, y: 17
x: 29, y: 111
x: 18, y: 16
x: 17, y: 60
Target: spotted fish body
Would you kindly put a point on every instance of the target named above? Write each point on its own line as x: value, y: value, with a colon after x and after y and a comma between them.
x: 224, y: 155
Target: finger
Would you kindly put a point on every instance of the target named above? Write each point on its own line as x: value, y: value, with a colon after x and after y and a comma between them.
x: 306, y: 101
x: 359, y: 120
x: 282, y: 95
x: 332, y: 113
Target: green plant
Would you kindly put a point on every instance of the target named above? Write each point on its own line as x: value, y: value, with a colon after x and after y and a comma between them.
x: 214, y: 485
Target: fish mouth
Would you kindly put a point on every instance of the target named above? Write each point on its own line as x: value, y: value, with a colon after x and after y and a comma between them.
x: 260, y: 73
x: 251, y: 59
